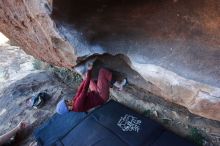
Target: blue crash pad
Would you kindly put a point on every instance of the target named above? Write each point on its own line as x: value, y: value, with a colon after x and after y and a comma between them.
x: 109, y: 125
x: 92, y: 133
x: 132, y: 128
x: 54, y: 129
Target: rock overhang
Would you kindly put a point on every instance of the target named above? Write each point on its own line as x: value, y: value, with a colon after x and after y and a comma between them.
x: 176, y: 35
x: 173, y: 45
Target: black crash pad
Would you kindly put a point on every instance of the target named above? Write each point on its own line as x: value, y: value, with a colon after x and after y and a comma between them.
x: 116, y: 122
x: 116, y: 125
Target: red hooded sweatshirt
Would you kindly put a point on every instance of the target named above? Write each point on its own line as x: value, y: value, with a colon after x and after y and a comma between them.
x: 84, y: 100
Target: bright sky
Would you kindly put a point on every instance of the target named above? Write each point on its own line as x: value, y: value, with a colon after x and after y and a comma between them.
x: 3, y: 39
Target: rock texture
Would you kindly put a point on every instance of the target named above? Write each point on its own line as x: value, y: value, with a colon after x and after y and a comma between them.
x: 19, y: 81
x: 14, y: 101
x: 14, y: 65
x: 29, y: 25
x: 172, y: 45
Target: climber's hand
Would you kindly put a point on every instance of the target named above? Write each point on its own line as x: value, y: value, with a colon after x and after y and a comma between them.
x: 90, y: 65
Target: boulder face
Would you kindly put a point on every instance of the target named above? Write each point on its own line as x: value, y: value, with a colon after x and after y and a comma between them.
x: 28, y: 23
x: 170, y: 48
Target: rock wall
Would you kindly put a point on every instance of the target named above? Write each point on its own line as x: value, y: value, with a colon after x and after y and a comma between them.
x: 172, y: 47
x: 27, y: 22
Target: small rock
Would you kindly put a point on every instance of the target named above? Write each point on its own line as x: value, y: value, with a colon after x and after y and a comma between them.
x: 176, y: 116
x: 155, y: 113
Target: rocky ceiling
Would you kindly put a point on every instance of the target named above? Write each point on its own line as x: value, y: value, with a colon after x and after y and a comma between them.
x: 170, y: 47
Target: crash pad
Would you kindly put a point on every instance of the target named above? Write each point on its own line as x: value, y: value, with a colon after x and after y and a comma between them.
x: 109, y: 124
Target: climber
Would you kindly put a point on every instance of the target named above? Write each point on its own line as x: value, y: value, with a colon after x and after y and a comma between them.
x: 6, y: 139
x: 99, y: 94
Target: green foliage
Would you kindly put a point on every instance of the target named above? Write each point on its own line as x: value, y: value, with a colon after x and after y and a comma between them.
x: 196, y: 136
x: 37, y: 64
x: 147, y: 113
x: 66, y: 75
x: 166, y: 121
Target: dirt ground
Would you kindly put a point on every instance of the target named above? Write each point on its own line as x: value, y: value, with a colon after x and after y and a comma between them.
x: 19, y: 82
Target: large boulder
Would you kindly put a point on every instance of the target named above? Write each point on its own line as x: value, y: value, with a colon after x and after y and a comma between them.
x: 173, y: 46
